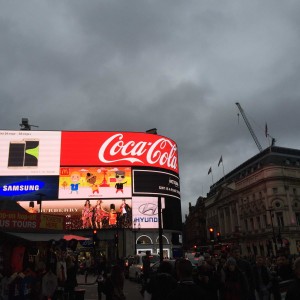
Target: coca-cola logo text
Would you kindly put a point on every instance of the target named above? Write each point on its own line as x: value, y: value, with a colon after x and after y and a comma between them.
x: 162, y: 151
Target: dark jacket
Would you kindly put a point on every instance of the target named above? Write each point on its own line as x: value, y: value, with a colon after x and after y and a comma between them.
x: 187, y: 290
x: 160, y: 286
x: 293, y: 292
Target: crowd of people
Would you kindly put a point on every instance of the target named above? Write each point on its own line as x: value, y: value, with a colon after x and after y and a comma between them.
x: 52, y: 277
x: 227, y: 277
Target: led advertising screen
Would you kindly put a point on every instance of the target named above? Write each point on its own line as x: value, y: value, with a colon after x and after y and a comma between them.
x: 154, y: 182
x: 29, y: 153
x: 66, y: 169
x: 145, y: 211
x: 118, y: 149
x: 94, y: 182
x: 18, y: 188
x: 85, y: 213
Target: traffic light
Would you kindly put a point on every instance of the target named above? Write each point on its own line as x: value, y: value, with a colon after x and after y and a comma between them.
x: 218, y: 237
x: 116, y: 239
x: 95, y: 237
x: 211, y: 234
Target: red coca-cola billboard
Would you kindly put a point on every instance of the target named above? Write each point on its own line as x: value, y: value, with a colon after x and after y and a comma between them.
x: 118, y: 149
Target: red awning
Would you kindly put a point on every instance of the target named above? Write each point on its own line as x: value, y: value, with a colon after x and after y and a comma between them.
x: 69, y: 237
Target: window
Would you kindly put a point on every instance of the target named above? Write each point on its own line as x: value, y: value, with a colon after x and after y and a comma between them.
x: 252, y: 224
x: 298, y: 219
x: 246, y: 224
x: 294, y: 191
x: 265, y: 220
x: 279, y: 217
x: 275, y: 190
x: 258, y: 222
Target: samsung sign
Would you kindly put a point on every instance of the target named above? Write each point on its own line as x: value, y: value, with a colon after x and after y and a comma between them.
x: 22, y: 187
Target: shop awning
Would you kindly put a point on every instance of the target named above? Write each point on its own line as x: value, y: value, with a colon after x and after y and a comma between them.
x: 44, y: 237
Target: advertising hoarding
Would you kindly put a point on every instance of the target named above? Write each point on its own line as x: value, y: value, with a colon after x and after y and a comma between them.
x: 13, y: 220
x: 118, y: 149
x: 20, y: 188
x: 58, y: 166
x: 29, y: 153
x: 154, y: 182
x: 94, y: 182
x: 85, y: 214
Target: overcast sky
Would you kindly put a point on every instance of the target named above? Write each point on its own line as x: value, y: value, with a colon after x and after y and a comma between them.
x: 179, y: 66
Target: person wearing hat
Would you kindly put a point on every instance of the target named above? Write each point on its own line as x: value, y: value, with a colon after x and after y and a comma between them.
x: 293, y: 292
x: 234, y: 285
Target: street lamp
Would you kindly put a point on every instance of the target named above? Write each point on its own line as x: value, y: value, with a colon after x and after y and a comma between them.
x: 273, y: 229
x: 135, y: 230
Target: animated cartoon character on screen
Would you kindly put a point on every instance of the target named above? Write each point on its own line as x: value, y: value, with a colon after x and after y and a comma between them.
x: 120, y: 175
x: 91, y: 179
x: 75, y: 178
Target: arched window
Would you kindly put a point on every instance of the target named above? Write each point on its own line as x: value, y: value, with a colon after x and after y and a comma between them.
x: 164, y: 240
x: 144, y: 240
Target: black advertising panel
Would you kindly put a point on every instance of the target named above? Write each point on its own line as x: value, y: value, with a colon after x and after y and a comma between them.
x: 156, y: 183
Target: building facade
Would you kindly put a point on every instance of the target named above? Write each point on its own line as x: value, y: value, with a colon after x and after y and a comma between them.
x: 257, y: 205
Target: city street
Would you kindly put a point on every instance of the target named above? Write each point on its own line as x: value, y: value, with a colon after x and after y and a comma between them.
x: 131, y: 289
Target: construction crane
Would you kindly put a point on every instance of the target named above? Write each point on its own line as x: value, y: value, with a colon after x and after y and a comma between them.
x: 249, y: 127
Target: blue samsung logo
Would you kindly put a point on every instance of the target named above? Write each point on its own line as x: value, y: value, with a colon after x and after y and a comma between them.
x: 22, y: 187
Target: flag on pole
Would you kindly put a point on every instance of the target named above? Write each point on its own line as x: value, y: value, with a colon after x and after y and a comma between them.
x: 266, y: 130
x: 221, y: 160
x: 209, y: 171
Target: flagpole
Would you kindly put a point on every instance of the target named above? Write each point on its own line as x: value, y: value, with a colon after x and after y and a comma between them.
x: 210, y: 172
x: 223, y: 169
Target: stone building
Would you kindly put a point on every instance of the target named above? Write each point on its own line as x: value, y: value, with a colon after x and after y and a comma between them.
x: 257, y: 205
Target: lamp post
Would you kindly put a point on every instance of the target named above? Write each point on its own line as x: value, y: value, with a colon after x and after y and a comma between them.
x: 135, y: 230
x: 273, y: 229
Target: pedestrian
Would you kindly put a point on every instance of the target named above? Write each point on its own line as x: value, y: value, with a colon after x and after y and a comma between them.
x: 186, y: 288
x: 246, y: 268
x: 114, y: 284
x: 234, y: 285
x: 146, y: 270
x: 282, y: 272
x: 71, y: 280
x: 161, y: 283
x: 263, y: 279
x: 293, y: 292
x: 207, y: 278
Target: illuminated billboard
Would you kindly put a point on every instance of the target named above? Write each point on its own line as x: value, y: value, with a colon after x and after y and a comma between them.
x: 66, y: 169
x: 118, y: 149
x: 29, y: 152
x: 86, y: 214
x: 94, y: 182
x: 20, y: 188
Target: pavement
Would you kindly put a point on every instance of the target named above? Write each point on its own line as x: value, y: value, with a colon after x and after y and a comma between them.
x: 89, y: 284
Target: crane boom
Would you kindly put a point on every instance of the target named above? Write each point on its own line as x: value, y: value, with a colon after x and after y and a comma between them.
x: 249, y: 127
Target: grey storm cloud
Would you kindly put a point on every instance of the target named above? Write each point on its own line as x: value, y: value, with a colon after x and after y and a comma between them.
x: 179, y: 66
